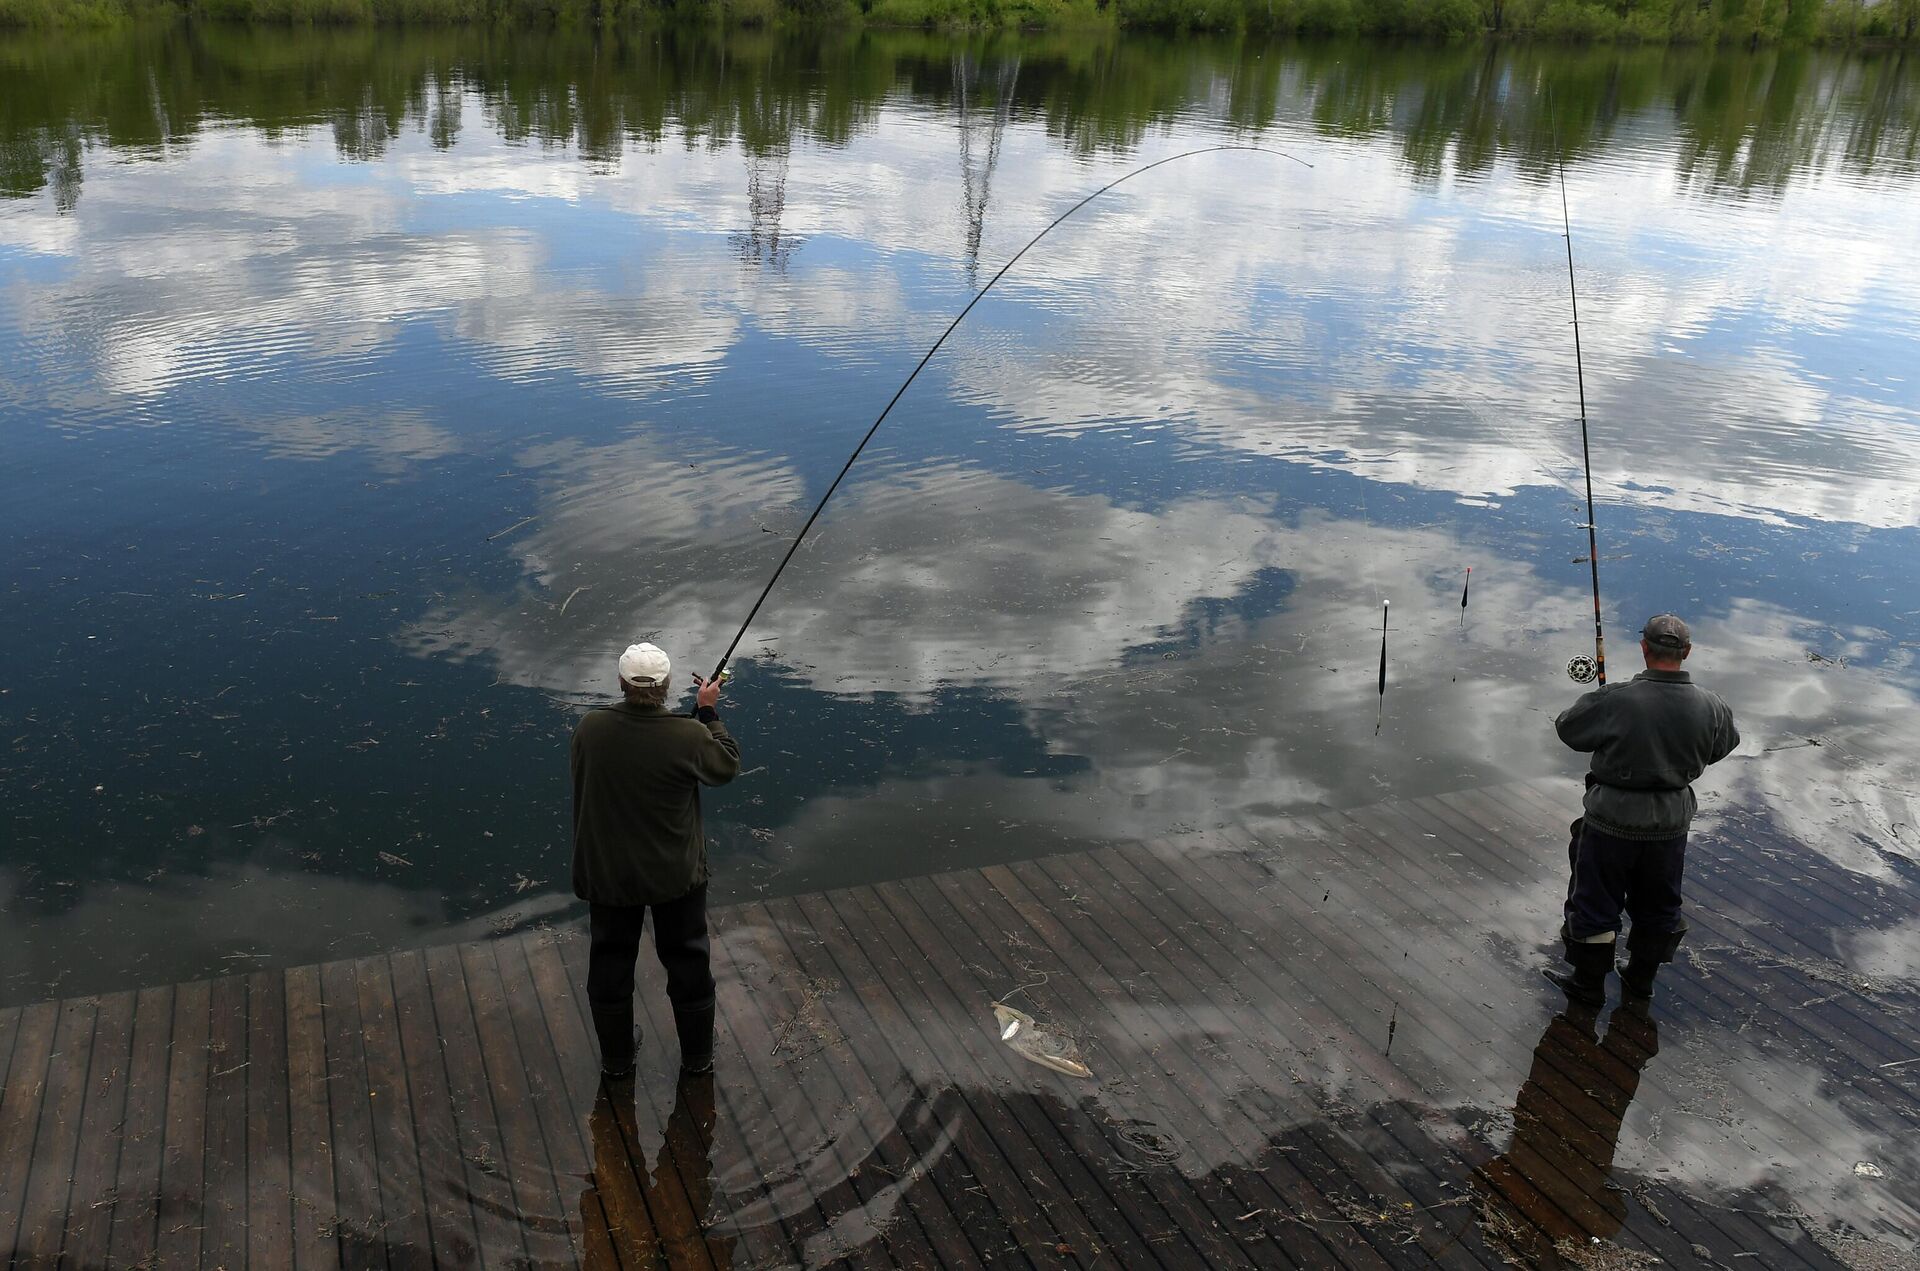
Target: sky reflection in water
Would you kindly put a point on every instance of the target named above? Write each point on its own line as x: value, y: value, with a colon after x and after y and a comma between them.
x: 345, y: 448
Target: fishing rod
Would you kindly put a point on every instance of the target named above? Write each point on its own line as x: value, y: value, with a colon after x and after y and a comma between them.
x: 1582, y: 669
x: 720, y: 668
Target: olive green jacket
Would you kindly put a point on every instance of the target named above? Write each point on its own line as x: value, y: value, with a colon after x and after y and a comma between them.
x: 637, y: 773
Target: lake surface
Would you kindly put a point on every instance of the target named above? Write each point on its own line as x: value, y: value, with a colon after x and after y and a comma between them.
x: 364, y: 393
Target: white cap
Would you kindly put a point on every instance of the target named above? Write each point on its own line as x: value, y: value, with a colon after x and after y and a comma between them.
x: 645, y: 664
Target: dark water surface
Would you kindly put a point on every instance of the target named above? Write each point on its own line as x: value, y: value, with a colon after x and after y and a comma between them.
x: 362, y: 394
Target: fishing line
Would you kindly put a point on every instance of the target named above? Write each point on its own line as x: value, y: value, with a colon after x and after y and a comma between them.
x: 720, y: 667
x: 1575, y: 667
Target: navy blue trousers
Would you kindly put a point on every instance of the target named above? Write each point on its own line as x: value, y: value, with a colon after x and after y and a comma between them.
x: 1639, y: 877
x: 679, y: 940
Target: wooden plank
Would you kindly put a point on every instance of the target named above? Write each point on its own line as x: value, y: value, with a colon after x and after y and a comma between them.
x: 1225, y: 1082
x: 567, y: 1149
x: 880, y: 1039
x: 309, y: 1125
x: 359, y: 1222
x: 1060, y: 1162
x: 1274, y: 997
x: 224, y: 1243
x: 136, y: 1210
x: 184, y: 1153
x: 536, y: 1199
x: 612, y: 1207
x: 9, y: 1029
x: 803, y: 1103
x: 269, y: 1146
x: 445, y: 1177
x: 1024, y: 1123
x: 20, y: 1102
x: 57, y: 1138
x: 403, y: 1201
x: 481, y: 1144
x: 89, y: 1235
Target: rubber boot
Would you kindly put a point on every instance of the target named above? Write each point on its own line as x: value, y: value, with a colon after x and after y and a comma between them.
x: 1645, y: 953
x: 695, y: 1026
x: 618, y: 1038
x: 1586, y: 983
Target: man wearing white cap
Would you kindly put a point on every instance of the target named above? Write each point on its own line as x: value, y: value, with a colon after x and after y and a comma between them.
x: 638, y: 844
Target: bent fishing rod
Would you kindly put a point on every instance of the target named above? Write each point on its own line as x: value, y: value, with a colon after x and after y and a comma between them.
x: 720, y: 668
x: 1577, y: 667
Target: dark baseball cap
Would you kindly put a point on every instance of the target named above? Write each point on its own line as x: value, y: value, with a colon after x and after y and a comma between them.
x: 1667, y: 631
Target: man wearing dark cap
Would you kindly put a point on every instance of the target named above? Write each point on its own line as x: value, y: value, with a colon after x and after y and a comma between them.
x: 1650, y: 738
x: 638, y: 844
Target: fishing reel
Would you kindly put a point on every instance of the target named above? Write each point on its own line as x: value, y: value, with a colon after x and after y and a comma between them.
x: 1582, y: 669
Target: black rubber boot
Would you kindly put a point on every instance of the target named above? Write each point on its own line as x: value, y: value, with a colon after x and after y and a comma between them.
x: 1646, y: 952
x: 618, y: 1039
x: 1587, y: 982
x: 695, y: 1026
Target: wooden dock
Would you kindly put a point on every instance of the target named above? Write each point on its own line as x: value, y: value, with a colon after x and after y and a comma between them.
x: 1327, y: 1044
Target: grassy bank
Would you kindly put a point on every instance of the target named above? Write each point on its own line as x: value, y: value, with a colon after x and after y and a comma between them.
x: 1641, y: 21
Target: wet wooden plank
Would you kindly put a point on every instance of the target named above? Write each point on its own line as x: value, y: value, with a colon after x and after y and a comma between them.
x: 477, y: 1128
x: 805, y: 1106
x: 89, y: 1235
x: 56, y: 1139
x: 444, y: 1175
x: 1273, y: 998
x: 403, y: 1201
x: 932, y: 963
x: 309, y: 1125
x: 567, y: 1150
x: 184, y: 1154
x: 1023, y: 1122
x: 538, y: 1207
x: 269, y: 1145
x: 359, y: 1222
x: 880, y: 1065
x: 143, y: 1133
x: 224, y: 1242
x: 20, y: 1104
x: 612, y: 1209
x: 1204, y: 1092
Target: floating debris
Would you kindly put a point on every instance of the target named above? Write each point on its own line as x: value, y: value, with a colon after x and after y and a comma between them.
x: 1033, y: 1042
x: 1867, y: 1169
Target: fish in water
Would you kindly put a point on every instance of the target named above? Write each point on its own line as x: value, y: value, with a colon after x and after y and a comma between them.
x: 1033, y: 1042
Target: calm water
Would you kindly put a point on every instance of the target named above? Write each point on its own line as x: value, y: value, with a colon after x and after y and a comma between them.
x: 364, y: 393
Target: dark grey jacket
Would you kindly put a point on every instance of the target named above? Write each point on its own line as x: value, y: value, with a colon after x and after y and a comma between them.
x: 637, y: 773
x: 1650, y: 738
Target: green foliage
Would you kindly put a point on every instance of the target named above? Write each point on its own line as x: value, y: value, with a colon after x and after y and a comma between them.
x: 1738, y: 22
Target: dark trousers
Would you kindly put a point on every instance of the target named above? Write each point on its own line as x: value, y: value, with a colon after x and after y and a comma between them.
x: 679, y: 939
x: 1641, y: 877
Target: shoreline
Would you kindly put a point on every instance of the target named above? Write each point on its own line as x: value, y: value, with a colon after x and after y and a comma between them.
x: 1888, y: 24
